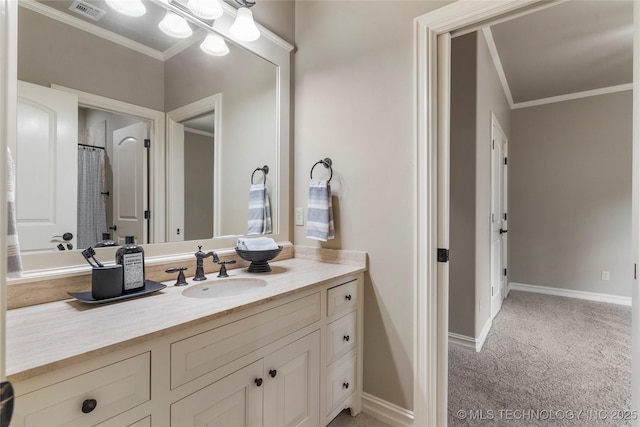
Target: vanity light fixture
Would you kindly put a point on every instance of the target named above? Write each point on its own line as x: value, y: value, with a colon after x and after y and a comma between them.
x: 214, y: 45
x: 244, y: 28
x: 205, y: 9
x: 175, y: 26
x: 133, y: 8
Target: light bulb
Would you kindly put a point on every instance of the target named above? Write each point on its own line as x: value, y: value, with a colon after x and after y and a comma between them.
x: 205, y: 9
x: 244, y: 29
x: 133, y: 8
x: 214, y: 45
x: 175, y: 26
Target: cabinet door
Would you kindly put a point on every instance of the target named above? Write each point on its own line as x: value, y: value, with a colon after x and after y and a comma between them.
x: 292, y: 384
x: 235, y: 400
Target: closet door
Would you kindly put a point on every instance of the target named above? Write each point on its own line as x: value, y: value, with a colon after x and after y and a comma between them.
x: 46, y: 160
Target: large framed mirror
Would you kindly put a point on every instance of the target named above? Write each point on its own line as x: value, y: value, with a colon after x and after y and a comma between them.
x: 179, y: 132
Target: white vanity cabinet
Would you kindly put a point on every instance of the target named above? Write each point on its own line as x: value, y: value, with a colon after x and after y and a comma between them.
x: 88, y: 398
x: 344, y: 348
x: 279, y: 390
x: 290, y: 360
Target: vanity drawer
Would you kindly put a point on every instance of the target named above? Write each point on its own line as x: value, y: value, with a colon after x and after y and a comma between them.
x: 115, y: 388
x: 342, y: 298
x: 341, y: 337
x: 341, y: 382
x: 200, y: 354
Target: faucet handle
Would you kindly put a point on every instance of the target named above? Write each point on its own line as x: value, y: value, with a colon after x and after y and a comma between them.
x: 223, y: 267
x: 181, y: 279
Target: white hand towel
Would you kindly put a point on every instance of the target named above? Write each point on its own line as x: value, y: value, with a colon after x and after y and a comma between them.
x: 257, y: 244
x: 320, y: 211
x: 14, y: 261
x: 259, y: 210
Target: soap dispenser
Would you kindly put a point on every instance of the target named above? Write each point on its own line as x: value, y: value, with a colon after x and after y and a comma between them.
x: 131, y: 257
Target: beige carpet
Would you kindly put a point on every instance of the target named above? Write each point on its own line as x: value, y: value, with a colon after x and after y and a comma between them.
x: 548, y: 361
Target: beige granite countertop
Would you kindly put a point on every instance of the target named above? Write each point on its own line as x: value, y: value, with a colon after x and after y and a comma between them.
x: 57, y: 334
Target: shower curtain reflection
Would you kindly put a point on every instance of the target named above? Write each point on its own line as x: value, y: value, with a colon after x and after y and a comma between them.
x: 92, y: 220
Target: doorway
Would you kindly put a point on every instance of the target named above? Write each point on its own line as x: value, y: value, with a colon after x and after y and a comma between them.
x: 433, y: 37
x: 118, y: 140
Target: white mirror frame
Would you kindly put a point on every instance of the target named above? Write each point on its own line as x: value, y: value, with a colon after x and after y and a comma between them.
x: 270, y: 47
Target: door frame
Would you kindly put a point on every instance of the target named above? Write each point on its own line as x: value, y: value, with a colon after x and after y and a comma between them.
x: 156, y: 119
x: 432, y: 33
x: 495, y: 124
x: 8, y: 95
x: 176, y: 155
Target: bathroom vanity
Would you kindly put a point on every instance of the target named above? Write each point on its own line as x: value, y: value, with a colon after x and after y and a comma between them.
x: 288, y: 353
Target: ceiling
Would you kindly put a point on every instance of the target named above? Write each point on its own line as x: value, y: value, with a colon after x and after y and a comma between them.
x: 141, y: 33
x: 572, y: 47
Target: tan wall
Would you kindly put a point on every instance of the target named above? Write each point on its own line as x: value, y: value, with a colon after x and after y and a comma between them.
x: 570, y: 194
x: 198, y: 186
x: 476, y: 94
x: 491, y: 98
x: 353, y: 103
x: 462, y: 293
x: 52, y: 52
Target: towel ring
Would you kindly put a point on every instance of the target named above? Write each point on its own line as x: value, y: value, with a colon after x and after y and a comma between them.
x: 327, y: 164
x: 265, y: 171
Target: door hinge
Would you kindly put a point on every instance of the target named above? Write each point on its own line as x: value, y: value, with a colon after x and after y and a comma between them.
x: 492, y: 291
x: 493, y: 144
x: 505, y: 271
x: 635, y: 271
x: 505, y: 160
x: 505, y: 216
x: 147, y: 214
x: 147, y: 143
x: 443, y: 255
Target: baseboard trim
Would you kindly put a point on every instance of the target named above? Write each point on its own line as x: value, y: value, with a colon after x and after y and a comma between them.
x: 387, y: 412
x: 469, y: 342
x: 591, y: 296
x: 483, y: 335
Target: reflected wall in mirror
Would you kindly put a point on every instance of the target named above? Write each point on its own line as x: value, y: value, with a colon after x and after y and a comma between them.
x: 157, y: 73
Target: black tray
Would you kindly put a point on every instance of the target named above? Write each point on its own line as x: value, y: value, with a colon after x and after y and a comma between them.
x: 149, y: 287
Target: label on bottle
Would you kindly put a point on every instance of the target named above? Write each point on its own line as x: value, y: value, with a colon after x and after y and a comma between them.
x: 133, y: 266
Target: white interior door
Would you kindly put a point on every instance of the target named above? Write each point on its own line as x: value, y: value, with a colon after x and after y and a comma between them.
x: 129, y: 164
x: 498, y: 217
x: 46, y: 159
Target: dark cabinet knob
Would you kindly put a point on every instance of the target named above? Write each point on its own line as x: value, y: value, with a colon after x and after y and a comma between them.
x: 89, y: 405
x: 346, y: 337
x: 273, y: 373
x: 345, y: 385
x: 348, y: 297
x: 258, y: 381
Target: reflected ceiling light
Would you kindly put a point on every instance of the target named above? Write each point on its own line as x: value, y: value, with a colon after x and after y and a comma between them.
x: 175, y: 26
x: 214, y: 45
x: 205, y: 9
x: 133, y: 8
x: 244, y: 28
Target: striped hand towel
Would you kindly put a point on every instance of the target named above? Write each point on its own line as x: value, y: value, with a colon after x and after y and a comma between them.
x: 259, y: 210
x: 320, y: 211
x: 14, y: 261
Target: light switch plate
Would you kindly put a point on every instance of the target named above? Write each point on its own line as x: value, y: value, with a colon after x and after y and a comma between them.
x: 299, y: 216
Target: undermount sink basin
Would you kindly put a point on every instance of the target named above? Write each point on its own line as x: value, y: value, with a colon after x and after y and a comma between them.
x: 224, y: 288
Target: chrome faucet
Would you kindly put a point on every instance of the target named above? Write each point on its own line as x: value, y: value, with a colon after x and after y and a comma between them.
x: 200, y: 256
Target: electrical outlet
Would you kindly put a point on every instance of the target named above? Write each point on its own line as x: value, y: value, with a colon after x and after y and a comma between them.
x: 299, y: 220
x: 605, y: 275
